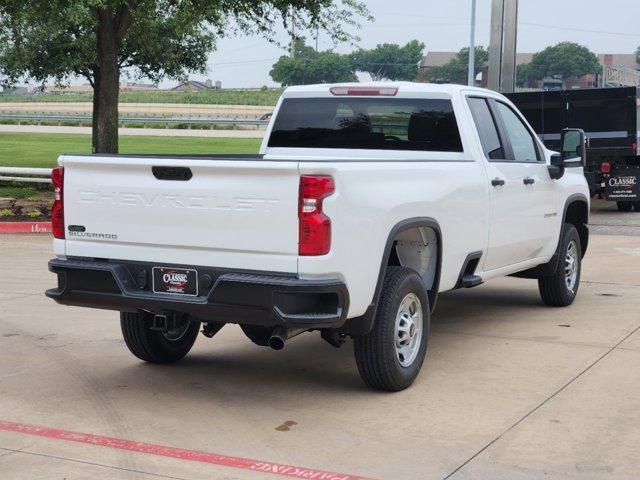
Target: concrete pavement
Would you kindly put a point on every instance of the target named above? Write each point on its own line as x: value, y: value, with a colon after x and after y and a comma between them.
x: 607, y: 220
x: 511, y: 389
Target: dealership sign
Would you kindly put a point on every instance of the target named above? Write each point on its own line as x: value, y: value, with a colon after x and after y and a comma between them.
x: 623, y: 186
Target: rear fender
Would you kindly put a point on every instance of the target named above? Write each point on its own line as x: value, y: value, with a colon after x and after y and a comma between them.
x: 363, y: 324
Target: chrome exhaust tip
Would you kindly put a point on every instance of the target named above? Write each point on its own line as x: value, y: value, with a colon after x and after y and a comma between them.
x: 280, y: 335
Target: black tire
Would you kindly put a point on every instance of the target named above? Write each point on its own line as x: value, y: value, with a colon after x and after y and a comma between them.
x: 378, y: 361
x: 636, y: 206
x: 257, y: 334
x: 554, y: 289
x: 154, y: 346
x: 624, y: 206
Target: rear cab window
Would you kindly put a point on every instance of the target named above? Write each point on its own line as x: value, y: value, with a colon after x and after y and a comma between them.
x: 367, y: 123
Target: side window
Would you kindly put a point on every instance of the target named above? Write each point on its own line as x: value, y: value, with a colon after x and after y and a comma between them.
x: 489, y: 138
x: 521, y: 139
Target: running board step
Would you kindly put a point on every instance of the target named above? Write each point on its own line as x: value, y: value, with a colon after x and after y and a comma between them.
x: 469, y: 281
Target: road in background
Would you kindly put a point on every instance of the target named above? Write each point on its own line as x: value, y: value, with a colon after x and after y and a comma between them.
x: 146, y: 132
x: 142, y: 109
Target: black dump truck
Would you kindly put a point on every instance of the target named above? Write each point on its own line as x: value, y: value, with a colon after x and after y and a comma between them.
x: 611, y: 118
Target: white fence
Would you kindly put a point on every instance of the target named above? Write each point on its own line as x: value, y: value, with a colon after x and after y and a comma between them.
x: 16, y: 174
x: 124, y: 120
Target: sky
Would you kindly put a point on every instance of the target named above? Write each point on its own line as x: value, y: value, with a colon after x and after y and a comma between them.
x: 605, y: 26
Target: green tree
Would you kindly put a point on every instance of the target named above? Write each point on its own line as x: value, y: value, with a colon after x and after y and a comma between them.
x: 638, y: 55
x: 457, y: 69
x: 308, y: 67
x: 390, y: 61
x: 524, y: 75
x: 62, y: 39
x: 561, y: 60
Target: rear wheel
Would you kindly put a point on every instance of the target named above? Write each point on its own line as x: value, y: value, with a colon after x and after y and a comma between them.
x: 561, y: 288
x: 624, y: 206
x: 391, y: 355
x: 156, y: 346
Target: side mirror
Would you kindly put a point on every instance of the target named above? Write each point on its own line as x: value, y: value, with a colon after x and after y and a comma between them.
x: 573, y: 152
x: 573, y: 147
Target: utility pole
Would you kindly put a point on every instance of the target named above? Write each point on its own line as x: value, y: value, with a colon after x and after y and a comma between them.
x: 317, y: 36
x: 472, y: 46
x: 502, y: 47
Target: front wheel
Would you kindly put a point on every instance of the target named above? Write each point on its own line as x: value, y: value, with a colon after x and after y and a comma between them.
x: 561, y: 288
x: 157, y: 346
x: 391, y: 355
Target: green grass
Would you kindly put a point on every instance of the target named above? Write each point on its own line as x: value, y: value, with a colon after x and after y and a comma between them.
x: 267, y: 97
x: 43, y: 149
x: 18, y: 192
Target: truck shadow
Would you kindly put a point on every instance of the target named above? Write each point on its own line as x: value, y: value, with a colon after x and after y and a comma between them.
x: 487, y: 302
x: 242, y: 370
x: 231, y: 368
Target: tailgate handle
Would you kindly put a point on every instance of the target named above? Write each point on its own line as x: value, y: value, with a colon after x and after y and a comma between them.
x: 172, y: 173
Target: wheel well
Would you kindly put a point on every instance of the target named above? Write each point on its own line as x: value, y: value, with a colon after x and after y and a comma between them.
x: 417, y: 248
x: 425, y: 231
x: 578, y: 215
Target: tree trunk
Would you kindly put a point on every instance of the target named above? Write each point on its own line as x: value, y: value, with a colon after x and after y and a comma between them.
x: 107, y: 88
x: 96, y: 109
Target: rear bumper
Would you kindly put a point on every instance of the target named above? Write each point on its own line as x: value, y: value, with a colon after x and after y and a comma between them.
x: 225, y: 296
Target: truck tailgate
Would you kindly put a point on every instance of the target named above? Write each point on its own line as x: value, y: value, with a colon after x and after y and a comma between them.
x: 231, y: 213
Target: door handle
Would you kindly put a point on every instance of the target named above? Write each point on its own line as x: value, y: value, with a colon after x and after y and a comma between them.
x: 182, y: 174
x: 497, y: 182
x: 528, y: 181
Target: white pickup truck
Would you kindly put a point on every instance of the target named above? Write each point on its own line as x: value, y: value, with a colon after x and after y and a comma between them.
x: 365, y: 202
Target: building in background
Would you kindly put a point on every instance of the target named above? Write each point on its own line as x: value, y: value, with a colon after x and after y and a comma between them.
x: 197, y: 86
x: 138, y: 87
x: 87, y: 88
x: 623, y: 64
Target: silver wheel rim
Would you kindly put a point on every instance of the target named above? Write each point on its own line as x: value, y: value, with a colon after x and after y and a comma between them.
x: 408, y: 329
x: 571, y: 265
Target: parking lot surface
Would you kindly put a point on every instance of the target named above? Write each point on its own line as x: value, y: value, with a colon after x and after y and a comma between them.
x: 511, y: 389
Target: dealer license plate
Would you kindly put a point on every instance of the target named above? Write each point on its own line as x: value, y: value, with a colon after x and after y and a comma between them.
x: 175, y: 280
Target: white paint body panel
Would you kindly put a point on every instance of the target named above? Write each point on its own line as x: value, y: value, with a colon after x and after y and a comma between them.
x: 231, y: 214
x: 243, y: 214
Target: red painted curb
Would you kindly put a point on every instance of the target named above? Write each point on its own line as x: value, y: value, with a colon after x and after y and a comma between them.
x: 25, y: 227
x: 189, y: 455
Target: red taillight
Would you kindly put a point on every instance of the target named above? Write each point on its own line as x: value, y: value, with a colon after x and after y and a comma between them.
x: 605, y: 167
x: 365, y: 91
x: 315, y: 226
x: 57, y: 210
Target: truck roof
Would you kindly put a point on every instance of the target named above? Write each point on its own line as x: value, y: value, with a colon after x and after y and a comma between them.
x: 403, y: 88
